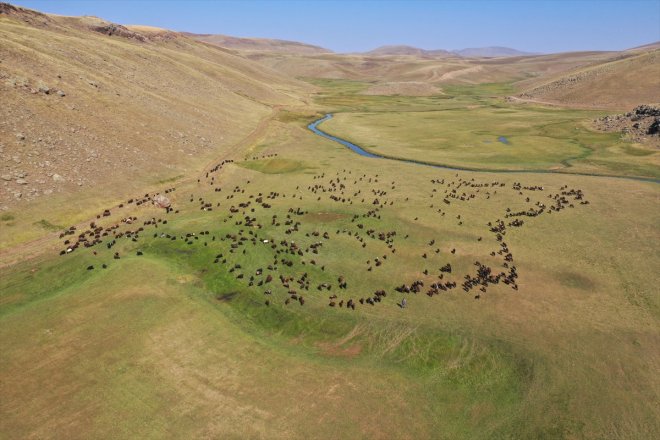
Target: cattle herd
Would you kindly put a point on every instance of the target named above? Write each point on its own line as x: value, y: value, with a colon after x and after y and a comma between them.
x: 278, y: 244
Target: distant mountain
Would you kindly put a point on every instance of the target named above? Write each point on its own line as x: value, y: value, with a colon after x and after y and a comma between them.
x: 408, y: 50
x: 490, y: 52
x: 259, y: 44
x: 476, y: 52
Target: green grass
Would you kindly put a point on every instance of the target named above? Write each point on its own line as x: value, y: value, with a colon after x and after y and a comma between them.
x: 463, y: 131
x: 343, y: 95
x: 48, y: 226
x: 484, y: 89
x: 633, y: 151
x: 170, y: 179
x: 274, y: 166
x: 301, y: 118
x: 123, y: 302
x: 170, y: 344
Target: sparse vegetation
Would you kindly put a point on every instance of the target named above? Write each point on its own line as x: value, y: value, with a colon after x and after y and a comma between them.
x: 48, y: 226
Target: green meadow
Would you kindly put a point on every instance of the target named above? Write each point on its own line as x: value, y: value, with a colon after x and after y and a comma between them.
x: 476, y: 128
x: 172, y: 344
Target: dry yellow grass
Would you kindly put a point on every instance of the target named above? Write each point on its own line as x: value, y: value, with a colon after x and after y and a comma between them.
x: 421, y: 69
x: 621, y: 83
x: 607, y: 80
x: 134, y: 112
x: 258, y: 44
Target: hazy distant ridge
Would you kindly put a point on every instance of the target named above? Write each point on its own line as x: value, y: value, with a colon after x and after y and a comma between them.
x: 473, y: 52
x: 407, y: 50
x: 284, y: 46
x: 492, y: 51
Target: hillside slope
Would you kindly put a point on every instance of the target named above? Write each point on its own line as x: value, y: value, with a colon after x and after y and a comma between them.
x: 90, y: 105
x: 440, y: 70
x: 622, y: 82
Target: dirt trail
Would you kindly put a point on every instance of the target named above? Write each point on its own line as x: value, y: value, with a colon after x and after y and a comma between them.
x: 31, y: 249
x: 456, y: 73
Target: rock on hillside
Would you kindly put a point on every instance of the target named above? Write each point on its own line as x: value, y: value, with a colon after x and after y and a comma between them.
x: 25, y: 15
x: 640, y: 125
x: 108, y: 28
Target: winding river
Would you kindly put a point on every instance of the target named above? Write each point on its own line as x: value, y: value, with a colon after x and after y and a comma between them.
x: 314, y: 127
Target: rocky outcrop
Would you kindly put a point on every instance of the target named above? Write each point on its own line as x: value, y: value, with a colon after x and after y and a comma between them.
x: 34, y: 18
x: 112, y: 29
x: 654, y: 128
x: 161, y: 201
x: 641, y: 124
x: 644, y: 111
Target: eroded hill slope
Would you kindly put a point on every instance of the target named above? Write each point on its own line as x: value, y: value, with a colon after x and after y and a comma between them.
x: 87, y: 104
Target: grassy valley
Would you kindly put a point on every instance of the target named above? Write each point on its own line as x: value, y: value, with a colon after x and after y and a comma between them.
x: 247, y: 278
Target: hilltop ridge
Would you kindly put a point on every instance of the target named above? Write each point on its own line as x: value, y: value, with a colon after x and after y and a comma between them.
x: 258, y: 44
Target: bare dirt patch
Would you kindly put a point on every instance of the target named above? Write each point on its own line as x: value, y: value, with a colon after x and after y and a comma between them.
x: 336, y: 350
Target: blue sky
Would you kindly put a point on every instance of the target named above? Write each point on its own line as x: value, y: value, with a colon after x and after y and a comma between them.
x: 352, y: 26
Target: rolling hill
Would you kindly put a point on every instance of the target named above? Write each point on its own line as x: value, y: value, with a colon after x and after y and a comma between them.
x: 259, y: 44
x: 475, y: 52
x: 87, y: 103
x: 408, y: 51
x: 410, y: 68
x: 490, y: 52
x: 621, y: 81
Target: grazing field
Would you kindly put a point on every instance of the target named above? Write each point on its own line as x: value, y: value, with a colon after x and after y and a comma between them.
x: 184, y: 335
x: 477, y: 129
